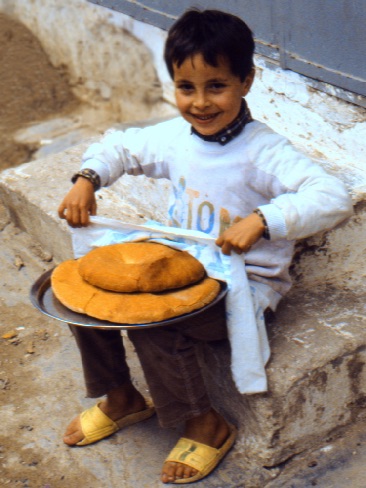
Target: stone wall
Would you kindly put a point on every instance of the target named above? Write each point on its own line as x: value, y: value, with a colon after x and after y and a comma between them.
x: 318, y: 342
x: 116, y: 63
x: 108, y: 67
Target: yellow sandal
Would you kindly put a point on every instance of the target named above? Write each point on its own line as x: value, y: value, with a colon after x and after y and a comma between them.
x: 96, y: 425
x: 199, y: 456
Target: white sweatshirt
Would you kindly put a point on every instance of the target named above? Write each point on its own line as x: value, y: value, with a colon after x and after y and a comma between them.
x: 214, y: 184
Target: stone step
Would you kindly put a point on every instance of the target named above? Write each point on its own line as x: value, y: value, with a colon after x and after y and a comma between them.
x: 317, y: 379
x: 316, y: 375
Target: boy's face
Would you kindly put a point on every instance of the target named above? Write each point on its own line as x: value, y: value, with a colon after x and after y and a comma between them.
x: 208, y: 97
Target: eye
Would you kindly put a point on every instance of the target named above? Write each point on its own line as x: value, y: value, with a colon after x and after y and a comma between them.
x: 185, y: 87
x: 217, y: 86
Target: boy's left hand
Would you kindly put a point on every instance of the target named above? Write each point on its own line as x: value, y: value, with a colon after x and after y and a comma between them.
x: 241, y: 236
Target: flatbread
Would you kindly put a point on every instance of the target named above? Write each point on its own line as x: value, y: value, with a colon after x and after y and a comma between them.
x: 127, y: 308
x: 139, y: 266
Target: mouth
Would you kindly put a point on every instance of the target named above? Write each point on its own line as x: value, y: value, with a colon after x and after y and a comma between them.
x: 204, y: 118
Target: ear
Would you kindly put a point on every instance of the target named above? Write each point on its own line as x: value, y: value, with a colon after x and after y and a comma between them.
x: 248, y: 82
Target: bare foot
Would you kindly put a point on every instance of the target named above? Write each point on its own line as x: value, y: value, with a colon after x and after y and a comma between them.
x: 118, y: 403
x: 210, y: 429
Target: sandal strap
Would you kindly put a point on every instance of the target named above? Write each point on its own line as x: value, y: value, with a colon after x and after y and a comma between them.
x: 96, y: 425
x: 193, y: 454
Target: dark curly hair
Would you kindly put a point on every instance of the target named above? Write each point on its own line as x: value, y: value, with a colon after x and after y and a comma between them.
x: 213, y: 34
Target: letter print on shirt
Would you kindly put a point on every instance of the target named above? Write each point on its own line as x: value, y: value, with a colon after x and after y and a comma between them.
x: 205, y: 217
x: 186, y: 211
x: 182, y: 209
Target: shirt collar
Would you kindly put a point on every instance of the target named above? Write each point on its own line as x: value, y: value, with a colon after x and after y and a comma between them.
x: 232, y: 130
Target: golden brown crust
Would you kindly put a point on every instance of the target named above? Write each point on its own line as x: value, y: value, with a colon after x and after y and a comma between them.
x: 139, y: 266
x: 68, y: 286
x: 128, y: 308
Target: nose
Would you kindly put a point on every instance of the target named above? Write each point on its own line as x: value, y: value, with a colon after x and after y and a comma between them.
x: 201, y: 100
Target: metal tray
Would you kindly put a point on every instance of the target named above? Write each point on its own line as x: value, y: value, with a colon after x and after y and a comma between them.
x: 42, y: 297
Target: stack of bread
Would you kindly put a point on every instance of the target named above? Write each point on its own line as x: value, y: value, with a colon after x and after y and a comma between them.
x: 134, y: 283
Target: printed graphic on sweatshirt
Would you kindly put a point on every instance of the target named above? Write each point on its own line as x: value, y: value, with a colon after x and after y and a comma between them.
x: 189, y: 212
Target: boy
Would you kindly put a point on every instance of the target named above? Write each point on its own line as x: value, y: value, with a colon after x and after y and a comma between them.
x: 232, y: 178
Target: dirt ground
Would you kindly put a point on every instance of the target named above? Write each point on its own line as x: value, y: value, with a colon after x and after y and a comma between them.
x: 31, y: 89
x: 41, y: 389
x: 41, y: 386
x: 27, y: 342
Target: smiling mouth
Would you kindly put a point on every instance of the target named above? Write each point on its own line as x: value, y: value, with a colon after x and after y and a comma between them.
x: 204, y: 118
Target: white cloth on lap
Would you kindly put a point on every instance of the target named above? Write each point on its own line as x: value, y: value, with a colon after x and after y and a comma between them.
x: 245, y: 304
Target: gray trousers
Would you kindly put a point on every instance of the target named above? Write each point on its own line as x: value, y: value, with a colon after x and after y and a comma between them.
x: 168, y: 356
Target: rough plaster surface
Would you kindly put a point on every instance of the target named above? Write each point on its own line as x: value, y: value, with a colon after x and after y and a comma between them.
x: 107, y: 66
x: 36, y: 211
x: 317, y: 340
x: 334, y: 258
x: 328, y: 129
x: 325, y: 127
x: 116, y: 63
x: 36, y: 456
x: 324, y: 315
x: 318, y: 350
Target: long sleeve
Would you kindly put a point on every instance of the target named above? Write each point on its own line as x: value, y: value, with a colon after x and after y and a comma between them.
x: 134, y: 151
x: 304, y: 198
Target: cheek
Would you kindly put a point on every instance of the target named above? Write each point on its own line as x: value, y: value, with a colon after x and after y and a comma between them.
x: 228, y: 106
x: 181, y: 102
x: 177, y: 97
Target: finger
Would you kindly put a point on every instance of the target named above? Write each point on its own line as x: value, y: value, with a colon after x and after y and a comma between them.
x: 226, y: 248
x: 93, y: 210
x: 219, y: 241
x: 61, y: 211
x: 84, y: 217
x: 239, y: 249
x: 73, y: 217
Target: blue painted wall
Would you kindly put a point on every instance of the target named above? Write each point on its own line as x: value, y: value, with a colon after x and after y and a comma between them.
x: 322, y: 39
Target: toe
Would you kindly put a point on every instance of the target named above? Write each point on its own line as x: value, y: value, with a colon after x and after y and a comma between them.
x: 72, y: 439
x: 73, y: 433
x: 173, y: 471
x: 179, y: 471
x: 168, y: 472
x: 188, y: 472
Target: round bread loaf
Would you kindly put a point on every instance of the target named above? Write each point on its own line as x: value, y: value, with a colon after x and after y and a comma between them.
x: 139, y: 266
x: 127, y: 308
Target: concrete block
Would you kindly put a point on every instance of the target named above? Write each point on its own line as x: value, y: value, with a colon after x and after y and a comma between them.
x: 33, y: 191
x: 317, y: 379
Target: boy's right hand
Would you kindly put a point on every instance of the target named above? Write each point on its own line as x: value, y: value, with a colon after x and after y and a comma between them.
x: 79, y: 203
